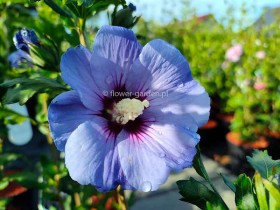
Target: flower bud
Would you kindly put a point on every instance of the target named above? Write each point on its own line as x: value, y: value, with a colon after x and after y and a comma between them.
x: 124, y: 17
x: 24, y: 38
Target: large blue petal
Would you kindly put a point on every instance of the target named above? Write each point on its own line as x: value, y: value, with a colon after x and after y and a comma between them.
x: 172, y: 140
x: 190, y: 99
x: 114, y: 51
x: 160, y: 67
x: 143, y: 169
x: 76, y: 71
x: 66, y: 112
x: 118, y: 45
x: 91, y: 156
x: 107, y: 76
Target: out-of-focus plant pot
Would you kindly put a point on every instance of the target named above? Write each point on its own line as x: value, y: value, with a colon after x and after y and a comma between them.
x: 13, y: 189
x: 238, y: 149
x: 274, y: 144
x: 19, y: 195
x: 224, y: 121
x: 207, y: 132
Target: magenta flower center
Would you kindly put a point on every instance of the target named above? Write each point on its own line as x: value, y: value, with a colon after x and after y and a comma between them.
x: 124, y: 113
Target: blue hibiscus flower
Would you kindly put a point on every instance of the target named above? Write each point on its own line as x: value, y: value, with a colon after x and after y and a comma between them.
x: 132, y: 115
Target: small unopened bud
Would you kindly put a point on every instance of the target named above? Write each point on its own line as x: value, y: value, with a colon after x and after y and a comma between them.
x: 24, y: 38
x: 124, y: 17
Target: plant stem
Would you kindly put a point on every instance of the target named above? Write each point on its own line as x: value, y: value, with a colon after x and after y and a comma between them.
x: 120, y: 198
x: 81, y: 24
x: 77, y: 199
x: 48, y: 134
x: 52, y: 148
x: 207, y: 178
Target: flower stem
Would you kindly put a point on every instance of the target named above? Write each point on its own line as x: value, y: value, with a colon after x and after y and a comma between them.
x: 120, y: 198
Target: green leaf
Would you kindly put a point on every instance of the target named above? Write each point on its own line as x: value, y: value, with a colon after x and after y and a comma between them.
x: 4, y: 202
x: 274, y: 194
x: 196, y: 193
x: 45, y: 56
x: 34, y: 1
x: 86, y: 3
x: 55, y: 7
x: 84, y: 8
x: 26, y: 179
x: 244, y: 197
x: 228, y: 183
x: 49, y: 168
x: 260, y: 191
x: 17, y: 95
x: 3, y: 184
x: 8, y: 157
x: 264, y: 164
x: 11, y: 116
x: 210, y: 206
x: 22, y: 89
x: 198, y: 165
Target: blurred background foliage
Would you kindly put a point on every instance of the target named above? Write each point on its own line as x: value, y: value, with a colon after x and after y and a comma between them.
x: 246, y: 87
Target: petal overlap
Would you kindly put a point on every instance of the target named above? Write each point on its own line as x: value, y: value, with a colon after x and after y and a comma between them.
x: 162, y: 67
x: 91, y: 158
x: 66, y: 112
x: 76, y: 71
x: 143, y: 169
x: 114, y: 51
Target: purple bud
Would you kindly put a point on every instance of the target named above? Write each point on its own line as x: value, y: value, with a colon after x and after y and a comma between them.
x: 24, y: 37
x: 19, y: 59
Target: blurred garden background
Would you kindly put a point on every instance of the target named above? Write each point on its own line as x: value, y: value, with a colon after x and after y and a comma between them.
x: 232, y: 48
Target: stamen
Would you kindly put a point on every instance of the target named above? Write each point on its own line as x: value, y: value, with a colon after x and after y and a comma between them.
x: 128, y: 109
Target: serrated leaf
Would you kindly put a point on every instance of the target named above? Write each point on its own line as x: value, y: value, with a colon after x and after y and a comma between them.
x: 260, y: 191
x: 228, y: 183
x: 244, y: 197
x: 264, y: 164
x: 196, y: 193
